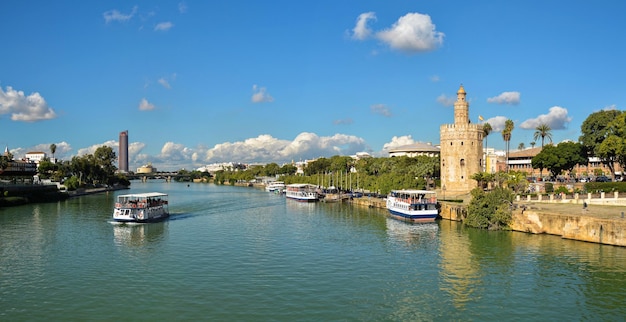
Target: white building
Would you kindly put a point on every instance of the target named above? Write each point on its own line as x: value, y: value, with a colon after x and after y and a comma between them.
x: 35, y: 156
x: 415, y: 149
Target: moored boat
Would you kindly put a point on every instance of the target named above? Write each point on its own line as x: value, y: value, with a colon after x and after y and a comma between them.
x: 141, y: 207
x: 413, y: 205
x: 302, y: 192
x: 275, y: 186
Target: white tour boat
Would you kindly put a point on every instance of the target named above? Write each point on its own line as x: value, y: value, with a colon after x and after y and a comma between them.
x: 275, y: 186
x: 302, y: 192
x: 413, y: 205
x: 141, y: 207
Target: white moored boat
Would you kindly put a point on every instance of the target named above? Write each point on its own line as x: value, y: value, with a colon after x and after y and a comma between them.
x: 275, y: 186
x: 141, y: 207
x: 302, y: 192
x: 413, y: 205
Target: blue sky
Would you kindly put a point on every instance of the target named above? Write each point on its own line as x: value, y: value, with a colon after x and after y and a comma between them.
x: 199, y: 82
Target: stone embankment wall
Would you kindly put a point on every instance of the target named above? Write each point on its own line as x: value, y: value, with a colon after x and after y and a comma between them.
x: 577, y: 227
x: 369, y: 202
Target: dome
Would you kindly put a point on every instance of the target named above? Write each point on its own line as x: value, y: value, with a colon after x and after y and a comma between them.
x: 461, y: 90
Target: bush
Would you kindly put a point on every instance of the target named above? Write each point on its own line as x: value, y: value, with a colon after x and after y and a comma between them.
x: 562, y: 189
x: 605, y: 186
x: 490, y: 210
x: 72, y: 183
x: 549, y: 187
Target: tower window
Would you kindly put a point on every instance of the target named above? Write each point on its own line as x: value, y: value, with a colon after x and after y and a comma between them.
x: 462, y: 163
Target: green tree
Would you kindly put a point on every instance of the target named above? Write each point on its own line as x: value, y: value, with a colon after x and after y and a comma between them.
x: 288, y: 169
x: 594, y: 131
x: 560, y: 158
x: 487, y: 129
x: 521, y: 146
x: 506, y: 136
x: 490, y: 210
x: 53, y: 149
x: 483, y: 179
x: 45, y: 169
x: 271, y: 169
x: 321, y: 165
x: 613, y: 147
x: 543, y: 131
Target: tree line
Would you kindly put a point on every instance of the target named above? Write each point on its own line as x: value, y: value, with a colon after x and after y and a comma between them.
x: 87, y: 170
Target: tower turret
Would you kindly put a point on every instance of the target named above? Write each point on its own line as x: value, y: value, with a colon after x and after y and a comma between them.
x: 461, y: 107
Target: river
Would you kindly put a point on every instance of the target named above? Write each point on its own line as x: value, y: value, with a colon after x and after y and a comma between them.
x: 236, y: 253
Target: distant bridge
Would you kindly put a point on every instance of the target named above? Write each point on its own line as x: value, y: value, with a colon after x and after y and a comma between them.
x: 167, y: 176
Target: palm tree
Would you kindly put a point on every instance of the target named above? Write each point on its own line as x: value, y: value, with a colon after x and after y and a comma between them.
x: 532, y: 144
x: 486, y: 131
x: 521, y: 146
x: 53, y: 148
x: 506, y: 136
x: 543, y: 131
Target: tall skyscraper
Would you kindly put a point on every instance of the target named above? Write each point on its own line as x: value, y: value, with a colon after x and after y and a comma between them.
x: 123, y: 153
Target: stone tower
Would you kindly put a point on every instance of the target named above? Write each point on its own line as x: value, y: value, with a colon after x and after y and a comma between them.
x: 461, y: 149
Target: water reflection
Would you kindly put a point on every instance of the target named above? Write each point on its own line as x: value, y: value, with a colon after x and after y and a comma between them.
x: 410, y: 233
x: 138, y: 234
x: 298, y: 207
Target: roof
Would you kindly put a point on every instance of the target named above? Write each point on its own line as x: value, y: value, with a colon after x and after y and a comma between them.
x: 416, y: 147
x: 413, y: 192
x: 526, y: 153
x: 144, y: 195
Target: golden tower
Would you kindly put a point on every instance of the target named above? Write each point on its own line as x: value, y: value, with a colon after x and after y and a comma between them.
x: 461, y: 149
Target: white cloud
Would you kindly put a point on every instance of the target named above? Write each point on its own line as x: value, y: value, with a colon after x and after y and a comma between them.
x: 497, y: 123
x: 92, y: 149
x: 397, y: 141
x: 144, y: 105
x: 343, y: 121
x: 164, y: 83
x: 361, y: 30
x: 175, y: 151
x: 24, y: 108
x: 163, y: 26
x: 381, y: 109
x: 61, y: 153
x: 182, y: 7
x: 512, y: 98
x: 557, y: 118
x: 413, y: 32
x: 611, y: 107
x: 260, y: 95
x: 445, y: 101
x: 266, y: 148
x: 115, y: 15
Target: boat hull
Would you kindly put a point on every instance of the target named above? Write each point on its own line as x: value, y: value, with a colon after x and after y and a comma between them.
x: 426, y: 216
x: 140, y: 215
x: 303, y: 199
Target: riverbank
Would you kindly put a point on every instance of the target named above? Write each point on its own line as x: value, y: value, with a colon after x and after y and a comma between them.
x: 17, y: 195
x: 597, y: 223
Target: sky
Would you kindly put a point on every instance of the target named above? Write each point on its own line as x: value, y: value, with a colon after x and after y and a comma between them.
x: 202, y: 82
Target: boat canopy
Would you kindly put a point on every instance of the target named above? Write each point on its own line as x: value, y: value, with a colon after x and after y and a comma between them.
x: 141, y: 196
x: 413, y: 192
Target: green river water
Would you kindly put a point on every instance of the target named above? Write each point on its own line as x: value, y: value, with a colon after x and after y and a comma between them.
x: 242, y: 254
